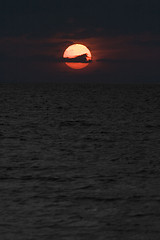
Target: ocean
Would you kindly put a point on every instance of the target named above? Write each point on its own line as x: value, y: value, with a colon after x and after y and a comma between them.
x: 79, y: 161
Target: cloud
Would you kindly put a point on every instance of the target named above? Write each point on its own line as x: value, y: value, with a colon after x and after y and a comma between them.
x: 82, y: 58
x: 39, y: 19
x: 147, y: 42
x: 120, y: 60
x: 28, y: 49
x: 33, y: 58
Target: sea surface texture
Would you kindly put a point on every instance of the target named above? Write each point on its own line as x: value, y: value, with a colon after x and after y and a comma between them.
x: 79, y: 161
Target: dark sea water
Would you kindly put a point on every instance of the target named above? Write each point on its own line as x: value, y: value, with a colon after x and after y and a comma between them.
x: 79, y: 161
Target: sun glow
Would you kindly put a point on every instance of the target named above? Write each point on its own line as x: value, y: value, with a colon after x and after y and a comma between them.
x: 77, y: 56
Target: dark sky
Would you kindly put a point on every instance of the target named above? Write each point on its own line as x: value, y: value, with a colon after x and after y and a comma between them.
x: 123, y: 36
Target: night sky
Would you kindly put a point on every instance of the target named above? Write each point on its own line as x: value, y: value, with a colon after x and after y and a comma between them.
x: 123, y: 36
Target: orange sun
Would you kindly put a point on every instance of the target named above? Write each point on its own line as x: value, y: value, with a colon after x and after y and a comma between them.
x: 77, y: 56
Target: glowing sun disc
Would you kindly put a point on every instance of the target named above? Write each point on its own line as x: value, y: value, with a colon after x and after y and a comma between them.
x: 76, y: 65
x: 74, y: 51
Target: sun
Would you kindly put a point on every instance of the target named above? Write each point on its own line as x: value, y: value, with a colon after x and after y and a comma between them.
x: 77, y: 56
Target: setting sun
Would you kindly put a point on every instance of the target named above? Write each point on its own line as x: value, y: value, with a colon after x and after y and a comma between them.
x: 77, y: 56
